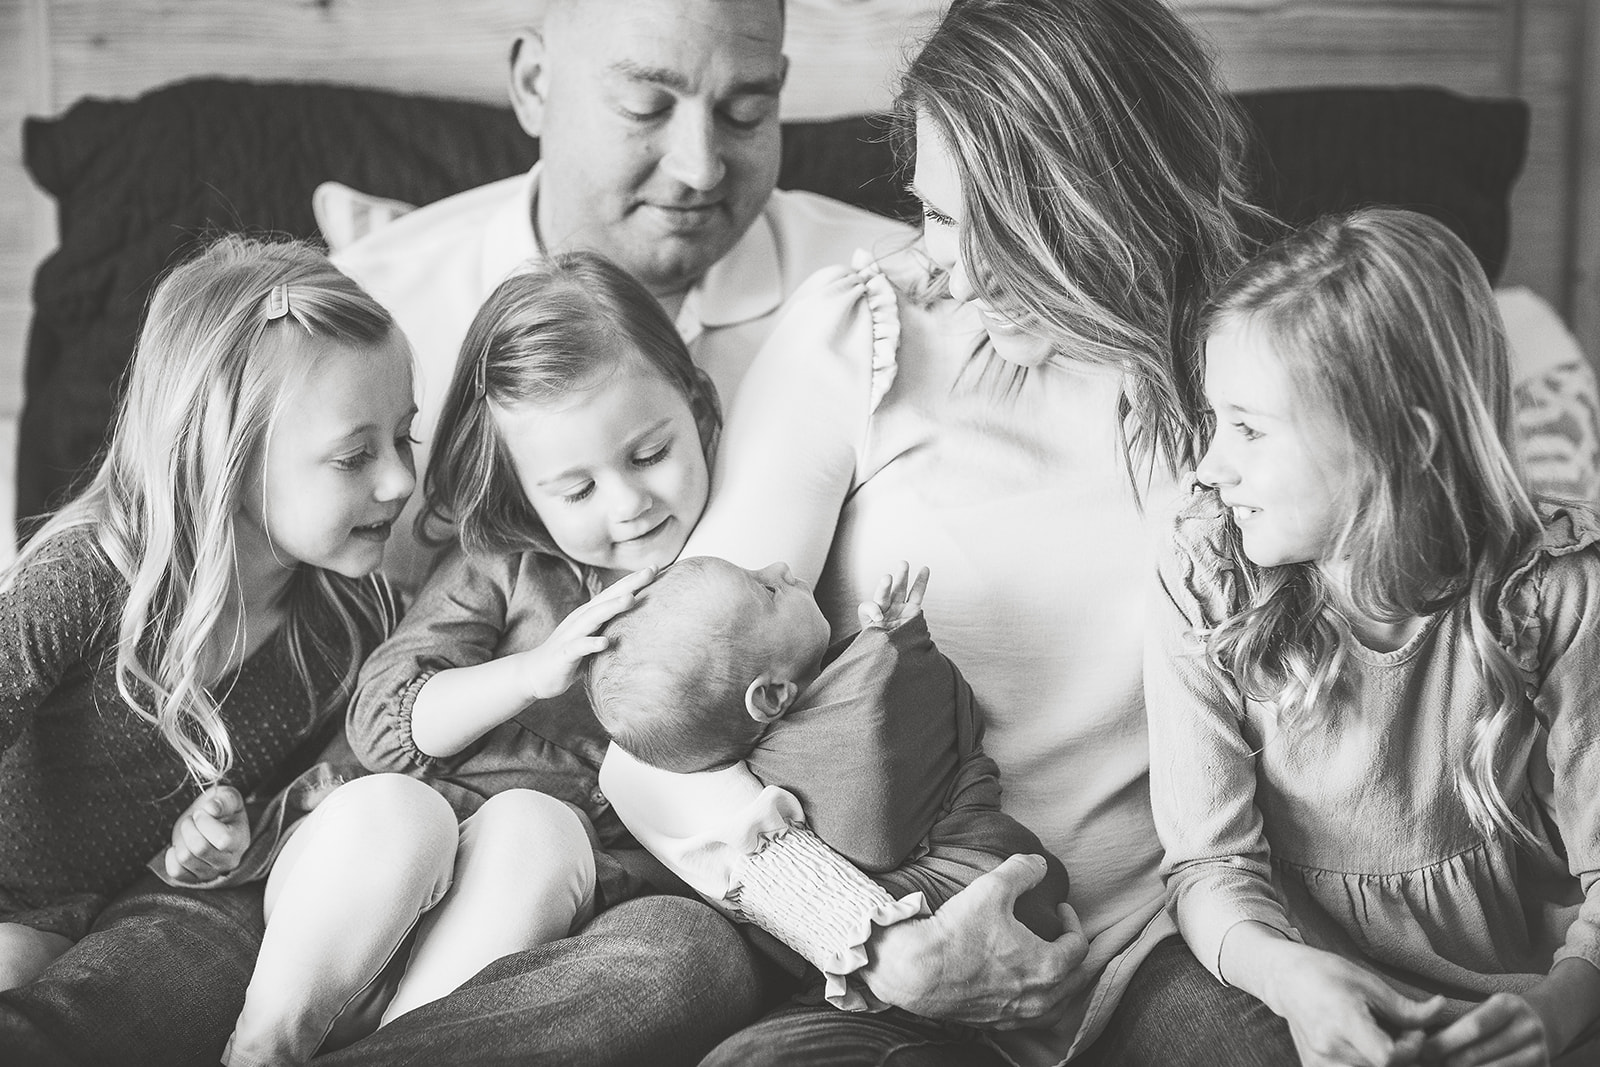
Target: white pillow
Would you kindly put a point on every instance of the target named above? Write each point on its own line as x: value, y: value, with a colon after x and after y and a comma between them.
x: 344, y: 214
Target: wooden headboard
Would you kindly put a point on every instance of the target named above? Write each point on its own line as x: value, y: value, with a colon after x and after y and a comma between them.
x: 52, y: 52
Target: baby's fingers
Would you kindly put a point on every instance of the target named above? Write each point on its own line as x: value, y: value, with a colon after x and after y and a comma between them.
x: 919, y: 587
x: 882, y: 593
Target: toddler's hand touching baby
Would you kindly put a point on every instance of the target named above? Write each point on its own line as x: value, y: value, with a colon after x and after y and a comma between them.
x: 551, y: 668
x: 210, y: 837
x: 897, y: 599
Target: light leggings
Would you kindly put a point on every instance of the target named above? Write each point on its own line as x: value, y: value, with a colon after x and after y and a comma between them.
x: 374, y: 858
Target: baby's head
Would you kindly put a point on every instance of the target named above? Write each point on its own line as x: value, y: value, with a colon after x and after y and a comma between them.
x: 710, y: 656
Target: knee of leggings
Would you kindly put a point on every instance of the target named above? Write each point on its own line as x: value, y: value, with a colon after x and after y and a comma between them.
x: 393, y: 810
x: 528, y: 821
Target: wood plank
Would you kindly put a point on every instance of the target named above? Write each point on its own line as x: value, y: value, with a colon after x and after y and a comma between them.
x: 27, y: 216
x: 1584, y: 285
x: 1458, y: 47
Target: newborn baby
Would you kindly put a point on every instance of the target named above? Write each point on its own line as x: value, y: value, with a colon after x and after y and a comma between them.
x: 877, y: 735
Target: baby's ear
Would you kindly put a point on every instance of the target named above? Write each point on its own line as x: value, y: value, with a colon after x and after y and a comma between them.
x: 767, y: 698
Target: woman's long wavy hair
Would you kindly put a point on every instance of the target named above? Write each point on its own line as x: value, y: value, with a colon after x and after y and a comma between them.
x: 1385, y: 321
x: 558, y: 328
x: 206, y: 389
x: 1101, y: 187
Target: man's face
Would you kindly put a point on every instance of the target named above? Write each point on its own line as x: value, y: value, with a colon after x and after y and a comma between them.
x: 659, y: 130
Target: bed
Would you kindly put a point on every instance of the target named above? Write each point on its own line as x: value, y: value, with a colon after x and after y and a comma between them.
x: 223, y: 114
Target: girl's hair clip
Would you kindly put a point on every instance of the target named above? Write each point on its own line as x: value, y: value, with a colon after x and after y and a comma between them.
x: 480, y: 374
x: 277, y: 302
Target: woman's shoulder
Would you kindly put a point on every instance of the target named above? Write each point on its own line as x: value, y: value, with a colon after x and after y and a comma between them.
x: 840, y: 330
x: 1196, y: 559
x: 1194, y: 525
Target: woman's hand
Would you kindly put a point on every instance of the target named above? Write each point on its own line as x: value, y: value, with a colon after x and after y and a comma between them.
x: 550, y: 669
x: 897, y: 599
x: 1504, y: 1031
x: 209, y: 838
x: 1342, y: 1015
x: 973, y: 962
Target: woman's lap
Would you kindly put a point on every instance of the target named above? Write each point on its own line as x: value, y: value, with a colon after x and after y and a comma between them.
x: 1176, y: 1014
x: 1173, y: 1014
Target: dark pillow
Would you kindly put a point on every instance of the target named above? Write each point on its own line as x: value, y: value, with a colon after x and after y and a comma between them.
x: 138, y: 182
x: 1452, y: 157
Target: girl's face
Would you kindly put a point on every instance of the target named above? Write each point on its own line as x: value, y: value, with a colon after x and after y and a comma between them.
x: 615, y: 471
x: 1284, y: 466
x: 937, y: 184
x: 337, y: 468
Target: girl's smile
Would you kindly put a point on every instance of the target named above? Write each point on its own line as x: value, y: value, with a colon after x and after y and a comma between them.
x: 337, y: 468
x: 616, y: 472
x: 1285, y: 471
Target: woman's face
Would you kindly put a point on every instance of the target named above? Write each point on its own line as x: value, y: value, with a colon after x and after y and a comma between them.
x: 937, y: 183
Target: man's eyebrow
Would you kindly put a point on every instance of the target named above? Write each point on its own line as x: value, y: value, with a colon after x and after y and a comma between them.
x: 668, y: 78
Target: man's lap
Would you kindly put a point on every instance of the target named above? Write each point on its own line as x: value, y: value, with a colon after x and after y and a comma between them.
x: 1173, y: 1014
x: 160, y: 979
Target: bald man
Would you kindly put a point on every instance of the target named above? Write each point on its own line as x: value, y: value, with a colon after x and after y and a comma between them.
x: 659, y: 142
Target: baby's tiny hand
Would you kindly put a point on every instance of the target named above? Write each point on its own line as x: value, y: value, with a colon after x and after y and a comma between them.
x: 209, y: 839
x: 897, y: 599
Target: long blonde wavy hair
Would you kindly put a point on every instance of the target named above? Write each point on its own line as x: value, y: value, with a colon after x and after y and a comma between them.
x: 1102, y: 191
x: 205, y: 390
x: 1378, y: 315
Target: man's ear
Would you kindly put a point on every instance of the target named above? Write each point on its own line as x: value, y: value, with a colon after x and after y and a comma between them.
x: 767, y: 698
x: 530, y: 77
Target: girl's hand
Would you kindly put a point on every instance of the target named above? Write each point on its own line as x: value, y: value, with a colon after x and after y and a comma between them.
x: 897, y: 599
x: 209, y: 838
x: 1342, y: 1015
x: 550, y: 669
x: 972, y: 962
x: 1506, y: 1031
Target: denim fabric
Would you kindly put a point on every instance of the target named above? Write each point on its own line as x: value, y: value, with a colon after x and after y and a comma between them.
x: 1175, y: 1014
x: 658, y: 980
x: 157, y: 982
x: 803, y: 1035
x: 161, y: 979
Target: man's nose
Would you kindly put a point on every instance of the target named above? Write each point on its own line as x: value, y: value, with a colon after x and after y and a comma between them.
x: 693, y: 155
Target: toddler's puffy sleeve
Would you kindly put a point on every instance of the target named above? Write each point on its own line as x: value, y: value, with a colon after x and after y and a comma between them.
x: 1202, y: 768
x: 798, y: 426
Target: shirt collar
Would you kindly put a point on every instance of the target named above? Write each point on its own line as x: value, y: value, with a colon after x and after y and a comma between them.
x: 743, y: 285
x: 508, y: 240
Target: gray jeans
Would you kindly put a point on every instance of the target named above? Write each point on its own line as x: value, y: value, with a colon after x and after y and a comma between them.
x: 160, y: 979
